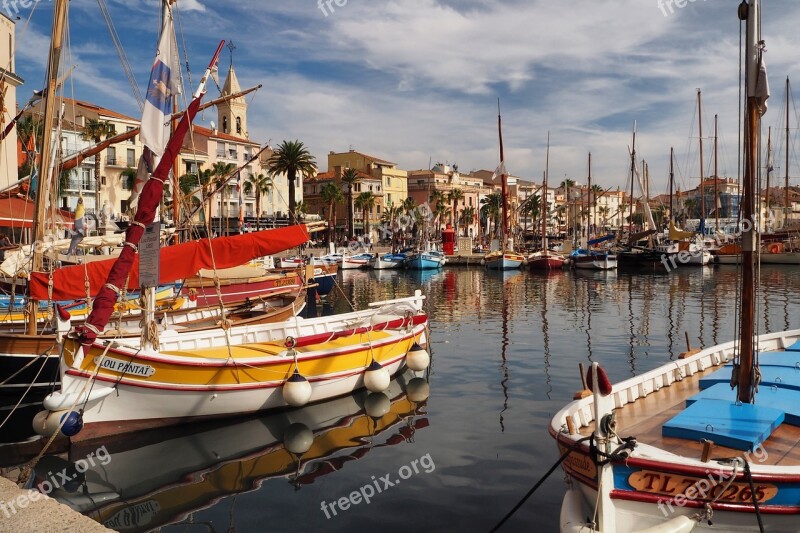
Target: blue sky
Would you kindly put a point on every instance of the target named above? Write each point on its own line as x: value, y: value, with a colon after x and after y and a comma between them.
x: 418, y: 80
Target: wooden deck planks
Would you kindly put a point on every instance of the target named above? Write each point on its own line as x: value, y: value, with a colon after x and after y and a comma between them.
x: 644, y: 417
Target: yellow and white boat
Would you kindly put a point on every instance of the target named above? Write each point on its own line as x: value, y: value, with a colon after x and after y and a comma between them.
x: 120, y: 386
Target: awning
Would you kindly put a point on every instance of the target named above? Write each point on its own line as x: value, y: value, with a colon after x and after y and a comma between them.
x: 18, y: 212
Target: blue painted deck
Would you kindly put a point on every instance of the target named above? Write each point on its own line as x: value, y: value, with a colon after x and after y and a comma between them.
x: 779, y: 376
x: 785, y: 400
x: 794, y: 347
x: 742, y: 426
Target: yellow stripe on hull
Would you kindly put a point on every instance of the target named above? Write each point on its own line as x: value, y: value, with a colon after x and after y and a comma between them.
x: 245, y: 366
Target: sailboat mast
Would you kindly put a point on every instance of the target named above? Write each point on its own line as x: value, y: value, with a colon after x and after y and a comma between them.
x: 544, y: 196
x: 503, y: 178
x: 53, y: 64
x: 716, y: 175
x: 633, y: 177
x: 702, y: 178
x: 671, y: 180
x: 769, y: 167
x: 753, y: 114
x: 786, y: 205
x: 589, y: 211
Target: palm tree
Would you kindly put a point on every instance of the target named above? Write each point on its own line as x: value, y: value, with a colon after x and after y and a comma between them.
x: 220, y: 172
x: 567, y: 184
x: 293, y: 159
x: 491, y: 209
x: 366, y: 203
x: 331, y: 194
x: 350, y: 177
x: 437, y: 199
x: 455, y: 196
x: 466, y: 217
x: 259, y: 185
x: 603, y: 210
x: 531, y: 209
x: 94, y: 131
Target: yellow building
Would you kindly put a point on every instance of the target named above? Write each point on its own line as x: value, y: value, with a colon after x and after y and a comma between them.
x: 394, y: 181
x: 9, y: 82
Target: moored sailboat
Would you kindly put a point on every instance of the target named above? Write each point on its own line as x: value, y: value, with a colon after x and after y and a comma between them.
x: 545, y: 259
x: 695, y: 456
x: 504, y: 258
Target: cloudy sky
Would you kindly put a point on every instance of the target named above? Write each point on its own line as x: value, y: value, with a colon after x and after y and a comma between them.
x: 415, y: 81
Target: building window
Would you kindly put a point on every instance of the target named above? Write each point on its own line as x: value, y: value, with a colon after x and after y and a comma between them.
x: 388, y: 182
x: 111, y: 155
x: 123, y: 206
x: 238, y: 125
x: 389, y: 199
x: 220, y: 150
x: 224, y: 124
x: 132, y: 140
x: 131, y: 157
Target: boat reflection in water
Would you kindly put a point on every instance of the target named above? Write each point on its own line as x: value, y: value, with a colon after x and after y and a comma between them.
x: 153, y: 479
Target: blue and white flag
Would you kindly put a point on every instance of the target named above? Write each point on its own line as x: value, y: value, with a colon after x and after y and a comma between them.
x: 164, y: 84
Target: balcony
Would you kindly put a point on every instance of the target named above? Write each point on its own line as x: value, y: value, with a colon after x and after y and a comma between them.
x: 113, y: 162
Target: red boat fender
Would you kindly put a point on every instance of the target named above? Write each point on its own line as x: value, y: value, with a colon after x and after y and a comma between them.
x: 603, y: 382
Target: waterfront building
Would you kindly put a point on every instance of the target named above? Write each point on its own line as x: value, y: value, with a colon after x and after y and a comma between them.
x: 439, y: 183
x: 9, y: 81
x: 393, y: 180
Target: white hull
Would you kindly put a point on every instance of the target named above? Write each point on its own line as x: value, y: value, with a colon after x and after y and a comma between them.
x: 380, y: 264
x: 603, y: 263
x: 633, y: 511
x: 130, y: 402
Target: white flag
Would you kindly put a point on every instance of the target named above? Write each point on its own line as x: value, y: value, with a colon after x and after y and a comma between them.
x: 164, y: 84
x: 499, y: 171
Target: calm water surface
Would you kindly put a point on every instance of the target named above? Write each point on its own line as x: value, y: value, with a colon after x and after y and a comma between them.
x: 506, y: 348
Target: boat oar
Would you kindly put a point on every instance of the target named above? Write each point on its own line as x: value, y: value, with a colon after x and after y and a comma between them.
x: 689, y: 351
x: 585, y: 392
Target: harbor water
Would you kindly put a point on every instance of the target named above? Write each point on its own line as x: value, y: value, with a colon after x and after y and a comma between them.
x: 505, y: 352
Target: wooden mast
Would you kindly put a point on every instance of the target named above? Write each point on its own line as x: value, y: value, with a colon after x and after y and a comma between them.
x: 53, y: 64
x: 544, y: 196
x: 503, y: 184
x: 589, y: 200
x: 633, y: 176
x: 671, y: 180
x: 769, y: 171
x: 753, y: 52
x: 716, y: 176
x: 702, y: 179
x: 787, y: 207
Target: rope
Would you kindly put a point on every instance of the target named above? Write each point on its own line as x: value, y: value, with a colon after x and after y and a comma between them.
x: 30, y: 386
x: 25, y: 472
x: 753, y: 493
x: 539, y: 483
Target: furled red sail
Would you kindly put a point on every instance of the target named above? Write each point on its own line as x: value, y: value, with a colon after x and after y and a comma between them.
x: 176, y: 262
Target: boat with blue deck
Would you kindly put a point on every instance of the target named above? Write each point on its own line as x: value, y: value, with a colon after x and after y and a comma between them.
x: 388, y: 261
x: 677, y: 449
x: 425, y: 261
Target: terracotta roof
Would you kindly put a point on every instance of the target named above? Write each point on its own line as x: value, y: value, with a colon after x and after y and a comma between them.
x: 330, y: 175
x: 373, y: 159
x: 207, y: 132
x: 98, y: 109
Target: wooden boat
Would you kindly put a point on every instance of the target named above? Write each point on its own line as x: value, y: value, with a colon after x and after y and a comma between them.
x: 237, y: 284
x: 388, y: 261
x: 240, y: 370
x: 545, y: 259
x: 353, y: 262
x: 505, y: 258
x: 219, y: 372
x: 424, y: 261
x: 31, y: 362
x: 158, y: 479
x: 695, y: 456
x: 587, y: 258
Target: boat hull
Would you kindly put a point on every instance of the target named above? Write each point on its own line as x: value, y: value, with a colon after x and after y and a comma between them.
x: 595, y: 262
x: 655, y: 484
x: 197, y: 375
x: 424, y: 262
x: 239, y: 289
x: 505, y: 261
x: 546, y: 262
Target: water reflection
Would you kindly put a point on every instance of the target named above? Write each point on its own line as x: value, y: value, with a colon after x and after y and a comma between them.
x: 158, y: 478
